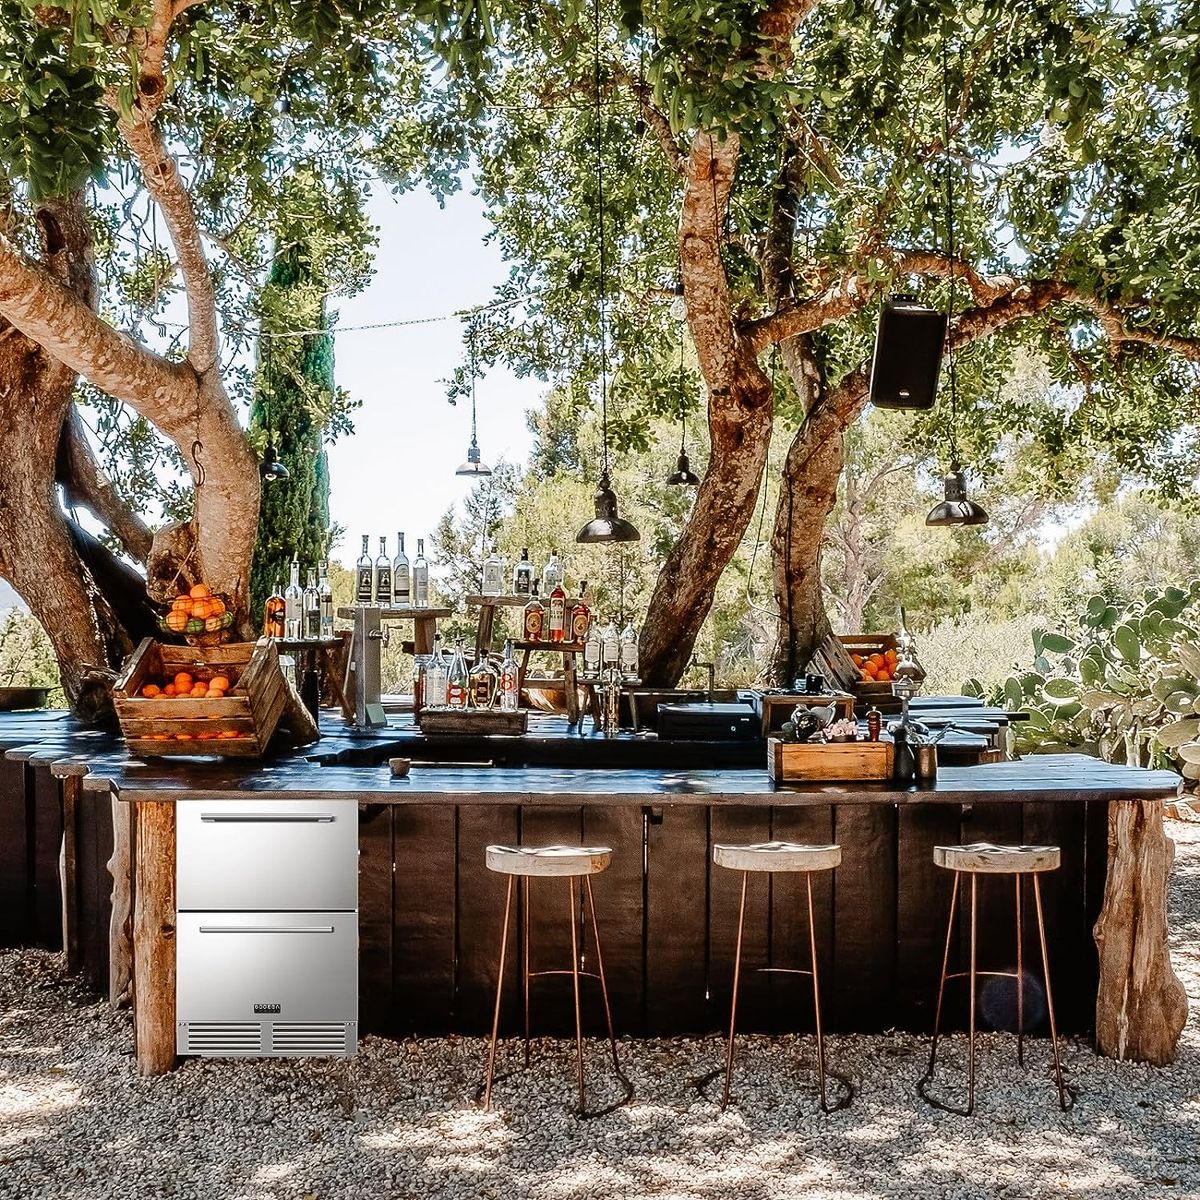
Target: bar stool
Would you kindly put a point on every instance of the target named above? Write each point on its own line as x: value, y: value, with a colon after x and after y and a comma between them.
x: 574, y: 863
x: 983, y: 858
x: 771, y: 857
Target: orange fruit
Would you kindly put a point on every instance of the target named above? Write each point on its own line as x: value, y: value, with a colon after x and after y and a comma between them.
x: 220, y: 681
x: 151, y: 690
x: 200, y: 592
x: 183, y: 737
x: 176, y: 621
x: 201, y: 610
x: 183, y: 679
x: 856, y: 659
x: 217, y: 606
x: 169, y: 690
x: 199, y: 689
x: 227, y: 733
x: 884, y: 676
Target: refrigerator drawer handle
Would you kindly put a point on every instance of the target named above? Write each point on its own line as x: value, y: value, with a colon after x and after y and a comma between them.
x: 251, y: 818
x: 266, y: 929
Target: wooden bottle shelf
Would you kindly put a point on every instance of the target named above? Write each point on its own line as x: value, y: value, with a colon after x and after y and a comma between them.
x: 402, y: 614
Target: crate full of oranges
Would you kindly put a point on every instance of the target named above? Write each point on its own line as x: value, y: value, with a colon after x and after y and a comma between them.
x: 202, y: 616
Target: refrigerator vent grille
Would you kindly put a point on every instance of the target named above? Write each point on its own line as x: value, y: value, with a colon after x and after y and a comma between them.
x: 224, y: 1037
x: 308, y: 1038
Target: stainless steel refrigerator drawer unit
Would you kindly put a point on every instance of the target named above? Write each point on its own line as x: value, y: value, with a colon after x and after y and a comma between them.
x: 277, y: 855
x: 267, y: 984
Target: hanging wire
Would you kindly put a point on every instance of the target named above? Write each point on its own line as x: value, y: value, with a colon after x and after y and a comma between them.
x: 950, y: 250
x: 682, y: 407
x: 600, y: 223
x: 474, y: 372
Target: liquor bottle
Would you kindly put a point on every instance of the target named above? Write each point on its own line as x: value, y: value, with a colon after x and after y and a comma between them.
x: 293, y: 600
x: 420, y: 577
x: 535, y: 616
x: 456, y: 686
x: 437, y: 676
x: 325, y: 600
x: 557, y: 625
x: 493, y: 574
x: 509, y: 680
x: 482, y: 684
x: 420, y: 674
x: 611, y: 643
x: 552, y: 574
x: 364, y: 586
x: 581, y: 617
x: 274, y: 613
x: 629, y: 652
x: 593, y: 648
x: 401, y: 589
x: 523, y: 575
x: 383, y: 576
x: 312, y: 606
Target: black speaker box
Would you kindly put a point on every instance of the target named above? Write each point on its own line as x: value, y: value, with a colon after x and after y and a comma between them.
x: 908, y: 354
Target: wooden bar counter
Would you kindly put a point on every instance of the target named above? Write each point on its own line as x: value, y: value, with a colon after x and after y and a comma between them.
x: 430, y: 912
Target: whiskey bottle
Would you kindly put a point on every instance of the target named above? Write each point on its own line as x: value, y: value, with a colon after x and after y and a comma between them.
x: 364, y: 576
x: 274, y: 614
x: 593, y: 649
x: 325, y: 601
x: 420, y: 577
x: 293, y: 601
x: 523, y: 575
x: 557, y: 626
x: 535, y: 616
x: 552, y: 574
x: 611, y: 645
x: 401, y: 583
x: 581, y: 616
x: 437, y: 676
x: 482, y: 684
x: 312, y: 606
x: 509, y: 680
x: 456, y: 687
x: 493, y: 574
x: 629, y: 652
x: 383, y: 576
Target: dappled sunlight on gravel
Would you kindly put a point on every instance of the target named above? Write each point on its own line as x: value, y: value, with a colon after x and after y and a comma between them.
x: 77, y: 1123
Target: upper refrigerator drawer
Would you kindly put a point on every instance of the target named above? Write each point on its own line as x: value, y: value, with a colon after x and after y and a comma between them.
x: 281, y: 855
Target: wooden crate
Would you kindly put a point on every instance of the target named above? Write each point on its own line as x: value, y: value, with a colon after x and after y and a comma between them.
x: 472, y: 721
x: 832, y: 762
x: 260, y: 702
x: 778, y: 707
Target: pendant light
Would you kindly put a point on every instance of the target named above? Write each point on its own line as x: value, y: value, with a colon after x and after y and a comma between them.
x: 683, y: 475
x: 606, y: 525
x: 270, y: 469
x: 954, y: 508
x: 473, y: 465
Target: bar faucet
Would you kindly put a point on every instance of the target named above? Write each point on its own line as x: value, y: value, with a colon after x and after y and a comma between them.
x: 712, y: 675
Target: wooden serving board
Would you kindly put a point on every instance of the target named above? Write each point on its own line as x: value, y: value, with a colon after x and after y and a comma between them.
x: 832, y: 762
x: 479, y: 722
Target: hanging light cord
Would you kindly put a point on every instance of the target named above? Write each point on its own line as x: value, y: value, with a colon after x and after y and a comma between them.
x: 682, y: 411
x: 600, y: 222
x: 474, y: 439
x: 950, y: 251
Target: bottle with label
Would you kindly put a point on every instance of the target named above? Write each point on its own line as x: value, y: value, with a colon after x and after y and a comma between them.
x: 610, y: 641
x: 535, y: 616
x: 312, y: 606
x: 401, y: 584
x: 493, y: 574
x: 325, y: 601
x: 293, y: 603
x: 420, y: 675
x: 874, y: 724
x: 552, y: 574
x: 456, y: 686
x: 364, y: 575
x: 592, y: 649
x: 274, y: 618
x: 437, y: 676
x: 629, y: 652
x: 581, y: 617
x: 523, y: 575
x: 557, y: 624
x: 383, y: 576
x: 420, y: 577
x: 482, y: 684
x: 509, y: 680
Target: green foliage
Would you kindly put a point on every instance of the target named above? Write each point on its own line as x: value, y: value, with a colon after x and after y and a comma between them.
x: 26, y: 655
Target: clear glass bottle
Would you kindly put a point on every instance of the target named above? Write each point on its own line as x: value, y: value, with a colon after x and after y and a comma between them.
x: 556, y: 625
x: 629, y: 652
x: 523, y: 575
x: 510, y: 692
x: 534, y: 620
x: 437, y: 676
x: 581, y: 617
x: 312, y: 606
x: 593, y: 650
x: 611, y: 645
x: 325, y: 600
x: 552, y: 573
x: 401, y: 583
x: 275, y: 613
x: 459, y: 679
x: 482, y: 684
x: 493, y: 574
x: 383, y: 576
x: 420, y: 678
x: 364, y: 575
x: 420, y: 577
x: 293, y: 601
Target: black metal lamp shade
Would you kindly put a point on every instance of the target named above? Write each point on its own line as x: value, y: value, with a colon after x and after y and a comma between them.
x: 606, y: 525
x: 955, y: 508
x: 683, y: 475
x: 271, y: 469
x: 473, y: 465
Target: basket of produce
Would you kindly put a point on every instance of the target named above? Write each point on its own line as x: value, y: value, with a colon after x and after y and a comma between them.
x: 201, y: 616
x: 226, y: 700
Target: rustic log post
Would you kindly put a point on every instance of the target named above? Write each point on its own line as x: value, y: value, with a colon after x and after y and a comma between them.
x: 120, y: 924
x: 154, y: 937
x: 1141, y: 1006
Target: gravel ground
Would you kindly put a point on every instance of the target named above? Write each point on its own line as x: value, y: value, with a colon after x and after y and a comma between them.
x: 77, y: 1122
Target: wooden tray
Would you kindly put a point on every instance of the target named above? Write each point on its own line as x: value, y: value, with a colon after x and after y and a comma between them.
x: 260, y: 702
x: 477, y: 722
x: 830, y: 762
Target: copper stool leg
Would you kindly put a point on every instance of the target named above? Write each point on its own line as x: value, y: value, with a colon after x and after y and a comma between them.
x: 1020, y: 982
x: 575, y: 984
x: 491, y: 1064
x: 525, y: 956
x: 937, y: 1016
x: 1058, y: 1075
x: 737, y: 974
x: 816, y: 981
x: 612, y: 1037
x: 973, y: 983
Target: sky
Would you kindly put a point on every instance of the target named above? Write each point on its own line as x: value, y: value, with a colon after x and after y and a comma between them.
x: 397, y: 470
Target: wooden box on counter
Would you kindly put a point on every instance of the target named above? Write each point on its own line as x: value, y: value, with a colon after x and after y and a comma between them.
x: 240, y: 724
x: 829, y: 762
x: 468, y: 722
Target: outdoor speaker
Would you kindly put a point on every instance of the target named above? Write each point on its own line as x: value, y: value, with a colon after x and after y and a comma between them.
x: 908, y: 354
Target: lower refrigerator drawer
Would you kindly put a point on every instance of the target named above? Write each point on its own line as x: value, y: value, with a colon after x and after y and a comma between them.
x: 266, y: 983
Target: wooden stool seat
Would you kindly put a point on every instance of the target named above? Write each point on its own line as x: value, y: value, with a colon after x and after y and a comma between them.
x: 558, y: 861
x: 986, y: 858
x: 777, y: 856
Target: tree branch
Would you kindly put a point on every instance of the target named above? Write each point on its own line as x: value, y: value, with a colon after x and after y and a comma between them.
x: 653, y: 115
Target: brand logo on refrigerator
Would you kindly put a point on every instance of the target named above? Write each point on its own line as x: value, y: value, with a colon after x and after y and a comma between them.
x: 267, y: 1008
